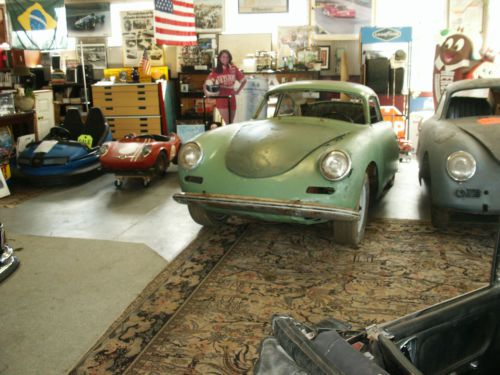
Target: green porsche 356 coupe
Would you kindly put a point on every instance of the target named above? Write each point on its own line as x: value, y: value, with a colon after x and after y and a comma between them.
x: 315, y: 152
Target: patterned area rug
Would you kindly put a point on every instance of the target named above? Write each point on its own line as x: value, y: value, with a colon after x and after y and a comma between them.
x: 209, y: 310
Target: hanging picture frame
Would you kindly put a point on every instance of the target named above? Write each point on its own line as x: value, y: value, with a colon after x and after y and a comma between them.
x: 324, y: 56
x: 88, y: 19
x: 262, y: 6
x: 93, y: 54
x: 334, y: 21
x: 209, y: 15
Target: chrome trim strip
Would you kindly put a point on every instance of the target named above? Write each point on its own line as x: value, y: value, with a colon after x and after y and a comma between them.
x: 268, y: 206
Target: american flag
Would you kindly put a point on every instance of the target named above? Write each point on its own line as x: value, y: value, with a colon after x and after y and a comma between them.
x: 145, y: 64
x: 175, y: 22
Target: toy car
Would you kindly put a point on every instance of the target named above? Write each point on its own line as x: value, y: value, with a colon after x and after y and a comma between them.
x: 315, y: 152
x: 8, y: 261
x: 457, y: 336
x: 142, y: 156
x: 458, y: 150
x: 68, y: 150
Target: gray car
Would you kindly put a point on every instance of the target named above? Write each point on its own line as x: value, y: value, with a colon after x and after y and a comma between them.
x: 459, y: 150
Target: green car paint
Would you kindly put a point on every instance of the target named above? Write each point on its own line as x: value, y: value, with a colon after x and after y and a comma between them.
x: 277, y: 160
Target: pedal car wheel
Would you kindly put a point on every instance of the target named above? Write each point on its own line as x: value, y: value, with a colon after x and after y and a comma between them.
x: 118, y: 184
x: 353, y: 232
x: 146, y: 182
x: 204, y: 217
x: 161, y: 164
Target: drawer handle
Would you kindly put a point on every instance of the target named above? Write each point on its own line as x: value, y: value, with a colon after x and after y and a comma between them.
x: 143, y: 125
x: 142, y: 107
x: 143, y: 131
x: 108, y: 93
x: 141, y: 86
x: 141, y: 99
x: 143, y: 119
x: 108, y: 100
x: 109, y: 108
x: 141, y: 92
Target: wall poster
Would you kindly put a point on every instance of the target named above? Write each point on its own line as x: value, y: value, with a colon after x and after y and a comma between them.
x: 88, y: 19
x: 137, y: 36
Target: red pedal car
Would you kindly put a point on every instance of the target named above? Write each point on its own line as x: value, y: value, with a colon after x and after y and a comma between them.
x: 142, y: 156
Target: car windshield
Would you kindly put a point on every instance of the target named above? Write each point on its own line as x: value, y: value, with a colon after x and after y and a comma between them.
x: 314, y: 103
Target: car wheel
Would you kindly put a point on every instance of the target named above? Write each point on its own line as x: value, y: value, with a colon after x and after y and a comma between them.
x: 161, y: 164
x: 118, y: 184
x: 353, y: 232
x: 204, y: 217
x: 440, y: 217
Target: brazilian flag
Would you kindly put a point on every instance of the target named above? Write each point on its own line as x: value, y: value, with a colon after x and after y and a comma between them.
x: 33, y: 15
x: 34, y: 23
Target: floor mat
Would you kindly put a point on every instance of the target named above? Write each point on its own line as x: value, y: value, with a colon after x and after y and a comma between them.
x: 208, y: 312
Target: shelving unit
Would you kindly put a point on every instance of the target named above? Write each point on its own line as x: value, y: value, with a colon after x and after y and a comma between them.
x: 190, y: 91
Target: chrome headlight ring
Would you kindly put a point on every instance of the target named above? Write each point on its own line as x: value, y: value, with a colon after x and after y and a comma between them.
x: 190, y: 155
x: 461, y: 166
x: 335, y: 165
x: 103, y: 150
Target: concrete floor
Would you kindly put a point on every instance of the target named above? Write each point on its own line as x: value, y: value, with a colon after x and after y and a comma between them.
x: 97, y: 210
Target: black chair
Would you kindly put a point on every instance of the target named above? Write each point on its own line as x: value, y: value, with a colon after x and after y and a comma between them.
x: 96, y: 126
x: 461, y: 106
x: 73, y: 123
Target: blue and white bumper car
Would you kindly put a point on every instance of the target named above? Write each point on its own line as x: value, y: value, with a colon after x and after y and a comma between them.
x: 68, y: 150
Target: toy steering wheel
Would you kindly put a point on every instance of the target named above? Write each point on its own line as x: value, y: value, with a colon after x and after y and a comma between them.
x: 59, y: 132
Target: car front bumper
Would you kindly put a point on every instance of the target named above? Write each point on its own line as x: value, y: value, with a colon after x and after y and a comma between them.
x: 238, y: 204
x: 8, y: 261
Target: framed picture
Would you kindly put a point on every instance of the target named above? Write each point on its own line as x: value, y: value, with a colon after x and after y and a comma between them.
x: 93, y: 54
x: 88, y: 19
x: 209, y: 15
x: 324, y: 56
x: 262, y: 6
x: 334, y: 21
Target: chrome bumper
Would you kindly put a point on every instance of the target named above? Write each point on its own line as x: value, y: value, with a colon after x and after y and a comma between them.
x: 8, y: 262
x: 268, y: 206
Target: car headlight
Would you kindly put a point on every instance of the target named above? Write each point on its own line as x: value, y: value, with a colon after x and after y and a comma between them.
x: 335, y: 165
x: 103, y: 150
x: 461, y: 166
x: 190, y: 155
x: 146, y: 150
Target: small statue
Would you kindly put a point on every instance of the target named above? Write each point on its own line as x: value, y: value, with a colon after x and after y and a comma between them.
x: 135, y: 75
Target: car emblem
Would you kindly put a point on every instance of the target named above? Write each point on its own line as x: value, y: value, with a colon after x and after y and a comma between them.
x: 386, y: 34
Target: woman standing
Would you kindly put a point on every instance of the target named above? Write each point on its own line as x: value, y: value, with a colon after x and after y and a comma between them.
x: 225, y: 75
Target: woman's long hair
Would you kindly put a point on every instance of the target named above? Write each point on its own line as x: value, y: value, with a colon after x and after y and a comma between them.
x: 219, y: 67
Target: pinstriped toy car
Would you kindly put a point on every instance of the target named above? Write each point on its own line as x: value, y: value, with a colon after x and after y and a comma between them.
x: 315, y: 152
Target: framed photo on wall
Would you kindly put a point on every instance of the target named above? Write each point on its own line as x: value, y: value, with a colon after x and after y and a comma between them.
x: 324, y: 56
x: 334, y: 21
x: 88, y: 19
x: 93, y: 54
x: 262, y: 6
x: 209, y: 15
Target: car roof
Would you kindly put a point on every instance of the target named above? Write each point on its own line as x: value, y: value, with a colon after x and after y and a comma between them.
x: 468, y: 84
x: 325, y: 85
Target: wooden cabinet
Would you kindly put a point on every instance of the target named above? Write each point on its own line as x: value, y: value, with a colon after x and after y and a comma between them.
x: 131, y: 108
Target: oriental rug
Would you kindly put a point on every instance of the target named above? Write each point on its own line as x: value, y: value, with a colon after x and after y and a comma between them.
x: 208, y: 312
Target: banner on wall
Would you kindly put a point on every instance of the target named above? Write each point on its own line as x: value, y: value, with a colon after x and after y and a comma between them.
x: 138, y: 36
x: 36, y: 25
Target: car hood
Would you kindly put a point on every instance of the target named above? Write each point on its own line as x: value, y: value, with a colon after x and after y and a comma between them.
x: 70, y: 150
x: 485, y: 130
x: 271, y: 147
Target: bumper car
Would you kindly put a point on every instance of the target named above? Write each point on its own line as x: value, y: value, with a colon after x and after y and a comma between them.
x: 67, y: 151
x: 8, y: 261
x: 139, y: 156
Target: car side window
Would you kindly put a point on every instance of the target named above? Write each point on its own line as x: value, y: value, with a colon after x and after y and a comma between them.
x: 375, y: 115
